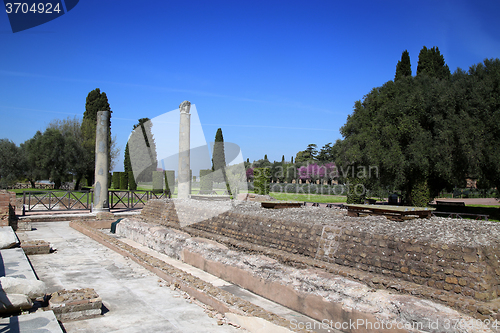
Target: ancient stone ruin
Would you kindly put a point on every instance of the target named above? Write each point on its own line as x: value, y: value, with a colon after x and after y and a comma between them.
x: 326, y: 264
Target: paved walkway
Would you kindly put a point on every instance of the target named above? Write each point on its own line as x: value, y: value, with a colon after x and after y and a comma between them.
x: 135, y: 299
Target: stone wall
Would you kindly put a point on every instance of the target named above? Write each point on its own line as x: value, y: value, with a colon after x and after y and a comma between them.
x: 309, y: 290
x: 470, y: 271
x: 293, y: 237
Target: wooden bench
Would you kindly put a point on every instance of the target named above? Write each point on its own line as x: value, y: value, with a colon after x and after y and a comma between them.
x: 205, y: 192
x: 280, y: 204
x: 450, y: 203
x: 459, y: 215
x: 395, y: 213
x: 210, y: 197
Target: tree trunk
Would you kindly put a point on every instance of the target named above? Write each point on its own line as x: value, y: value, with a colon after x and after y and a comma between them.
x: 77, y: 182
x: 90, y: 178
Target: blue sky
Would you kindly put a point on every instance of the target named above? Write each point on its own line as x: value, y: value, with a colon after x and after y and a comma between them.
x: 274, y: 75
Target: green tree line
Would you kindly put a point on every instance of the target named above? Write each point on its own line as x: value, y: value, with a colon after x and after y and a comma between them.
x: 63, y: 152
x: 427, y: 132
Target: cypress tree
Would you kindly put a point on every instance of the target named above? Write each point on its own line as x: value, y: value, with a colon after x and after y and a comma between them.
x: 441, y: 70
x: 127, y: 165
x: 219, y: 157
x: 147, y: 155
x: 403, y: 68
x: 132, y: 185
x: 424, y: 63
x: 431, y: 62
x: 262, y: 180
x: 219, y: 160
x: 96, y: 101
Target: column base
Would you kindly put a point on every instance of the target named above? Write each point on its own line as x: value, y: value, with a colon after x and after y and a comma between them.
x: 98, y: 210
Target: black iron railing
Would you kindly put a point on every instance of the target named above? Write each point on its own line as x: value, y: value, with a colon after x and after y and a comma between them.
x: 82, y: 200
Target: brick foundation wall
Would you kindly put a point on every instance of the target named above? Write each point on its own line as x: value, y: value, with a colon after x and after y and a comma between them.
x: 293, y: 237
x: 162, y: 212
x: 297, y: 238
x: 7, y: 207
x: 467, y: 271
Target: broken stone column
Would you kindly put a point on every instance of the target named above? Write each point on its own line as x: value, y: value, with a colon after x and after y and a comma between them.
x: 184, y: 186
x: 101, y: 163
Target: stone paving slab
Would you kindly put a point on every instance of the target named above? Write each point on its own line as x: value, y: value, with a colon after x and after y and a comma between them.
x: 134, y: 299
x: 264, y: 303
x: 8, y: 236
x: 38, y: 322
x: 13, y: 263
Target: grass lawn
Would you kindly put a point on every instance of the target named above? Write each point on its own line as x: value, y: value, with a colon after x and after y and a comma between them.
x: 488, y: 206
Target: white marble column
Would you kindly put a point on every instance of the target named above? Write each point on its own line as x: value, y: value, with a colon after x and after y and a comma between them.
x: 101, y: 163
x: 184, y: 181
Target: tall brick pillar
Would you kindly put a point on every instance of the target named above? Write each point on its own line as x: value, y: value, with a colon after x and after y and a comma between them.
x: 7, y: 207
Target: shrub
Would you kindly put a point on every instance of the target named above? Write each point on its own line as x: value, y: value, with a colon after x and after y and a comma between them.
x: 116, y: 179
x: 420, y: 194
x: 169, y: 181
x: 158, y: 181
x: 206, y: 181
x: 356, y: 191
x: 262, y: 180
x: 123, y: 181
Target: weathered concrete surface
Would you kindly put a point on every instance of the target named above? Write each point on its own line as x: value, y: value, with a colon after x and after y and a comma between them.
x: 249, y: 323
x: 15, y: 264
x: 42, y: 321
x: 254, y: 324
x: 311, y: 291
x: 215, y: 298
x: 54, y: 216
x: 134, y: 299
